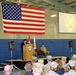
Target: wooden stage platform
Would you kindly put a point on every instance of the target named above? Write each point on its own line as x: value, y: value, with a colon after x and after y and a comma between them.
x: 20, y: 63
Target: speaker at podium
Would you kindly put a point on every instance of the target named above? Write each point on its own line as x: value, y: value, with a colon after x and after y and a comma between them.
x: 27, y: 52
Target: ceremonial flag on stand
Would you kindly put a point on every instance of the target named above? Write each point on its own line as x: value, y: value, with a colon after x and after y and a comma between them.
x: 29, y: 41
x: 21, y: 19
x: 34, y: 43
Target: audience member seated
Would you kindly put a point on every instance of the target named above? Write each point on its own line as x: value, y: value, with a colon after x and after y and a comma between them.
x: 41, y: 61
x: 63, y: 60
x: 34, y: 59
x: 53, y: 68
x: 66, y: 68
x: 71, y: 65
x: 47, y: 66
x: 8, y: 70
x: 64, y: 63
x: 44, y: 50
x: 74, y: 59
x: 28, y: 68
x: 37, y: 69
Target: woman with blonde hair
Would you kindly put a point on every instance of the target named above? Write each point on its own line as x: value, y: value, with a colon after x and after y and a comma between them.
x: 60, y: 69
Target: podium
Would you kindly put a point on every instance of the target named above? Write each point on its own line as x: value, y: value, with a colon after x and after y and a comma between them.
x: 27, y: 52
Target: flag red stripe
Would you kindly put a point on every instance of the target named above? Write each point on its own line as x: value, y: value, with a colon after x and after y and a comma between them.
x: 28, y: 7
x: 13, y: 23
x: 23, y: 32
x: 24, y: 28
x: 32, y: 20
x: 32, y: 12
x: 33, y: 16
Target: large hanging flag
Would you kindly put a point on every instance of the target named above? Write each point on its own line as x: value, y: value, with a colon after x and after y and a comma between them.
x: 29, y: 41
x: 20, y: 19
x: 34, y: 43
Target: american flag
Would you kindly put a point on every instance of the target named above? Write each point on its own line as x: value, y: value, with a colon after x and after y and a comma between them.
x: 21, y: 19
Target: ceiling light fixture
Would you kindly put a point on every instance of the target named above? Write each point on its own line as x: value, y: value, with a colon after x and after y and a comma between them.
x: 53, y: 15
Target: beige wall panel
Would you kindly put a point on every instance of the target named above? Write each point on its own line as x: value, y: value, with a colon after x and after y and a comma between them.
x: 49, y: 31
x: 68, y: 36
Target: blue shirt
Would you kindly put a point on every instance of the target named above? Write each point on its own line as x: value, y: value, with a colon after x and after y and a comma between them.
x: 28, y: 73
x: 60, y: 71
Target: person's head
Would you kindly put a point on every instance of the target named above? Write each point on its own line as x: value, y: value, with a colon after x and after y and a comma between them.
x: 43, y: 45
x: 49, y: 58
x: 28, y: 66
x: 71, y: 64
x: 37, y: 68
x: 63, y: 60
x: 59, y: 63
x: 8, y: 69
x: 73, y: 57
x: 34, y: 59
x: 53, y: 66
x: 41, y: 61
x: 24, y: 40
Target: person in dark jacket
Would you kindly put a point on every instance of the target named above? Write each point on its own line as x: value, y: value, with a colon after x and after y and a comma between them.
x: 22, y: 44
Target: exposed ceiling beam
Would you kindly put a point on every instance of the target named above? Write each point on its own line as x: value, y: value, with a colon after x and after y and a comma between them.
x: 61, y: 0
x: 73, y: 6
x: 60, y: 5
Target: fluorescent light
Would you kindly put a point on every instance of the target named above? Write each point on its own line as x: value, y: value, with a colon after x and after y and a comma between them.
x: 53, y: 15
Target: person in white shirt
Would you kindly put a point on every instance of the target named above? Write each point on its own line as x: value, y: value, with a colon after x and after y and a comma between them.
x: 37, y: 68
x: 47, y: 66
x: 74, y: 59
x: 71, y: 68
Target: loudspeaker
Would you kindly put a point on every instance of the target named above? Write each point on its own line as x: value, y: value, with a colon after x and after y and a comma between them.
x: 11, y: 45
x: 71, y: 43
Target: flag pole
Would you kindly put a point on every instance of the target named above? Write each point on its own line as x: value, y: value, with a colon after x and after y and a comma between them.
x: 29, y: 41
x: 34, y: 43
